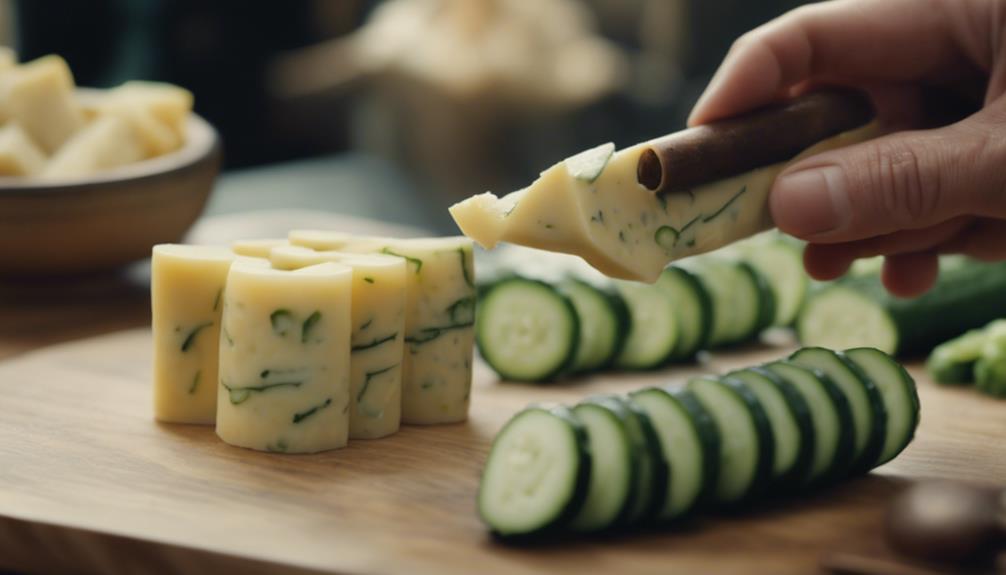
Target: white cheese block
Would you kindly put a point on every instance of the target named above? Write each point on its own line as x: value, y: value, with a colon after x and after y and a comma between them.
x: 378, y: 320
x: 257, y: 248
x: 107, y: 142
x: 284, y: 358
x: 322, y: 240
x: 439, y: 320
x: 186, y: 293
x: 39, y: 96
x: 155, y: 136
x: 620, y: 227
x: 169, y: 104
x: 19, y: 156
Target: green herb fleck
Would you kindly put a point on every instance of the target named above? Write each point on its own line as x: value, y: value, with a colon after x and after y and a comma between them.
x: 191, y: 338
x: 621, y: 235
x: 465, y: 272
x: 282, y: 321
x: 239, y: 395
x: 368, y: 279
x: 369, y: 376
x: 510, y: 211
x: 598, y: 217
x: 195, y: 382
x: 279, y: 447
x: 463, y: 310
x: 308, y: 325
x: 366, y: 324
x: 588, y: 165
x: 431, y: 333
x: 690, y: 243
x: 374, y: 343
x: 663, y: 202
x: 549, y: 226
x: 227, y: 336
x: 689, y: 224
x: 414, y: 261
x: 298, y: 417
x: 712, y: 217
x: 216, y: 300
x: 666, y: 237
x: 266, y: 373
x: 426, y: 385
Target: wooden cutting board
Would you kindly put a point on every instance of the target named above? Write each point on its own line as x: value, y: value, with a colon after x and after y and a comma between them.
x: 90, y: 483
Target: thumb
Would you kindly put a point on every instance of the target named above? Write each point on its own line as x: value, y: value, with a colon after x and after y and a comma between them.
x: 902, y: 181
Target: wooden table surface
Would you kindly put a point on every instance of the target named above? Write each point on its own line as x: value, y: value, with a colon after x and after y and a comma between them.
x: 90, y: 483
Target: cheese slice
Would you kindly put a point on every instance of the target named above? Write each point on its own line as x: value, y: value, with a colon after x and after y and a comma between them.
x: 439, y: 319
x: 616, y: 224
x: 284, y: 358
x: 39, y: 96
x: 186, y: 291
x: 19, y: 156
x: 257, y: 248
x: 107, y: 142
x: 378, y: 322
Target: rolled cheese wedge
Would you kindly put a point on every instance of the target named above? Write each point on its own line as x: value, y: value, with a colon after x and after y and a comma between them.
x: 19, y: 156
x: 439, y: 320
x: 378, y: 320
x: 257, y: 248
x: 284, y: 358
x: 39, y: 96
x: 592, y: 206
x: 186, y: 291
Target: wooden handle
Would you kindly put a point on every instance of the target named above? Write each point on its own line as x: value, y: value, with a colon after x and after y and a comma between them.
x: 682, y: 160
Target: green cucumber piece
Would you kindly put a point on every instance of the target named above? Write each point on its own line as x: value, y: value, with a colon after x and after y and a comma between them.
x: 614, y: 464
x: 693, y: 310
x: 653, y: 476
x: 653, y: 332
x: 780, y: 262
x: 901, y: 399
x: 953, y: 362
x: 604, y: 324
x: 742, y: 302
x: 537, y: 474
x: 526, y: 330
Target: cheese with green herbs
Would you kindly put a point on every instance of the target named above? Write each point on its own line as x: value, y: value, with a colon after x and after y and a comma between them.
x: 378, y: 324
x: 186, y: 291
x: 439, y: 319
x: 592, y: 206
x: 284, y: 358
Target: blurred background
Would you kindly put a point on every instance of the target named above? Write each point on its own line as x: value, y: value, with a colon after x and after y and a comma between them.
x: 395, y: 109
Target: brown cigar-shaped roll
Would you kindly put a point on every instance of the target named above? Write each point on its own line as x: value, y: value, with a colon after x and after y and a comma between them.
x: 682, y: 160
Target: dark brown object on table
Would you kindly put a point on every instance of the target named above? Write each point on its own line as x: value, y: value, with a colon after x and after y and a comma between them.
x: 776, y: 133
x: 948, y: 522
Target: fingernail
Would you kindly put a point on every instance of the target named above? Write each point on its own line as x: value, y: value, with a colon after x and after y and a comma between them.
x: 810, y: 202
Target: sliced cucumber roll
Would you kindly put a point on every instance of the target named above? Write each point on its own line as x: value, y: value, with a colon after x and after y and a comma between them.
x: 901, y: 399
x: 742, y: 303
x: 526, y: 330
x: 792, y: 427
x: 604, y: 324
x: 832, y: 417
x: 693, y: 309
x: 651, y: 486
x: 690, y: 443
x: 869, y: 418
x: 614, y: 467
x: 653, y: 334
x: 746, y: 444
x: 537, y: 474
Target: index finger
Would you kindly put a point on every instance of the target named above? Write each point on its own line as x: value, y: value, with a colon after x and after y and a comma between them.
x: 862, y: 41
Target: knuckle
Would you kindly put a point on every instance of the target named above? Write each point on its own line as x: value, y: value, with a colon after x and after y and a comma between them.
x: 897, y: 184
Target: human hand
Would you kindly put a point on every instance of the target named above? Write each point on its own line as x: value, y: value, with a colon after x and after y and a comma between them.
x: 910, y: 195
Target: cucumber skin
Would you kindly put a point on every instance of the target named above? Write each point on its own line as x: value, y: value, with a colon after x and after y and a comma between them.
x: 580, y: 487
x: 661, y: 467
x: 913, y: 395
x: 766, y: 299
x: 709, y: 437
x: 705, y: 309
x: 623, y: 321
x: 766, y: 443
x: 622, y: 410
x: 967, y: 295
x: 561, y: 369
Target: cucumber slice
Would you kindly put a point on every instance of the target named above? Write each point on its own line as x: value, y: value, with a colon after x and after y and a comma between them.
x: 830, y: 413
x: 869, y: 418
x: 780, y: 262
x: 653, y: 476
x: 837, y: 315
x: 653, y: 334
x: 901, y: 399
x: 537, y: 473
x: 741, y: 301
x: 614, y: 464
x: 792, y: 427
x: 953, y: 362
x: 746, y: 444
x: 693, y: 309
x: 604, y: 324
x: 526, y: 330
x: 689, y: 441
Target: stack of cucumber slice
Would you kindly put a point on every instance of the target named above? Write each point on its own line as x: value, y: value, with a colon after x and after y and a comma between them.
x: 613, y: 462
x: 545, y: 317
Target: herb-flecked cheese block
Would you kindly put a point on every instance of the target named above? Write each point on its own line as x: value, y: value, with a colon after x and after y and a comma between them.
x: 186, y: 290
x: 378, y: 324
x: 284, y: 358
x: 439, y: 319
x: 602, y: 214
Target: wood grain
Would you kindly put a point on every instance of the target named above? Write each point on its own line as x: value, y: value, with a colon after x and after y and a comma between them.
x: 90, y: 483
